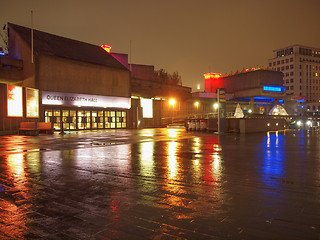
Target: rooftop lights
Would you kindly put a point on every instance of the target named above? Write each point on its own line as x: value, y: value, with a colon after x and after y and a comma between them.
x: 212, y: 75
x: 107, y: 48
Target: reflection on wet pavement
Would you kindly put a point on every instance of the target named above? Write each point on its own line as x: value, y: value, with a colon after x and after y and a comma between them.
x: 160, y: 184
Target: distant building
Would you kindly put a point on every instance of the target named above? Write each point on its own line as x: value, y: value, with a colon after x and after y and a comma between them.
x: 301, y: 68
x: 257, y: 90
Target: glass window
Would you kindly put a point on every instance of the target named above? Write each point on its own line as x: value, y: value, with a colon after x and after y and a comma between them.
x: 100, y: 119
x: 57, y: 119
x: 94, y: 119
x: 73, y: 119
x: 48, y: 116
x: 88, y: 120
x: 65, y: 119
x: 81, y: 119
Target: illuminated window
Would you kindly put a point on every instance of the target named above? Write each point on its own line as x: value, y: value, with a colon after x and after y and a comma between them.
x: 147, y: 108
x: 32, y: 100
x: 14, y: 101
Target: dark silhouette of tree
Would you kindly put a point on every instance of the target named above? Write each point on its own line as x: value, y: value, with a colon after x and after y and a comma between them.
x: 164, y: 77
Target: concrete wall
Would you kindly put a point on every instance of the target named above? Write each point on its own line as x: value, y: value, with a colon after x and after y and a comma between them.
x: 246, y: 81
x: 65, y: 75
x: 252, y: 125
x: 20, y: 50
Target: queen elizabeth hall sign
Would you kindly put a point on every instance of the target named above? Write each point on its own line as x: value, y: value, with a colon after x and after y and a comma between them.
x: 83, y: 100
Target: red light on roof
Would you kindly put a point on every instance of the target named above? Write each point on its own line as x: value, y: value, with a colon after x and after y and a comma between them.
x: 212, y: 75
x: 107, y: 48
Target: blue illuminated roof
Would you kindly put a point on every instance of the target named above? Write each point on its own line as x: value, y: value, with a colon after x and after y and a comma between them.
x: 273, y: 89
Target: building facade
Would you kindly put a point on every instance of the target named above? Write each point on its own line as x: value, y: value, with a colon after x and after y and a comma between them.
x: 76, y: 85
x: 257, y: 90
x: 79, y: 86
x: 301, y: 68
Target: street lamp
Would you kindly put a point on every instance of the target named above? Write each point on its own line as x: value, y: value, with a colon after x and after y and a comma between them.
x: 197, y: 105
x: 216, y: 106
x: 172, y: 102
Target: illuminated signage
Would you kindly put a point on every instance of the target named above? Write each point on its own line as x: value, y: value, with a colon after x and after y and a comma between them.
x: 32, y: 103
x: 107, y: 48
x: 14, y: 101
x: 273, y: 89
x: 83, y: 100
x: 147, y: 107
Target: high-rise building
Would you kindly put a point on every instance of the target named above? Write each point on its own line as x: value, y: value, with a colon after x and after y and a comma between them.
x: 301, y: 68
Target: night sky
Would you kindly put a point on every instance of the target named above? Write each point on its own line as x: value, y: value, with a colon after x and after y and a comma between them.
x: 191, y: 37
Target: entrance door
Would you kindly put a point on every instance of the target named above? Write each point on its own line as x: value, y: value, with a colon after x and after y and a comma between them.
x: 94, y: 120
x: 88, y: 120
x: 66, y: 119
x: 56, y: 119
x: 81, y: 119
x: 73, y: 119
x: 100, y: 119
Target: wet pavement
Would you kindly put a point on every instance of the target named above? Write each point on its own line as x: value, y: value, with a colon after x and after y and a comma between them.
x: 160, y: 184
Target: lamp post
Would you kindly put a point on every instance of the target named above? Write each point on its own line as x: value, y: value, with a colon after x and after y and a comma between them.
x: 172, y: 102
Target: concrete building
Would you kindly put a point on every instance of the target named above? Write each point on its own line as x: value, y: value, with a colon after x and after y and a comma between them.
x: 71, y: 82
x: 257, y: 90
x: 152, y: 93
x: 79, y: 86
x: 301, y: 68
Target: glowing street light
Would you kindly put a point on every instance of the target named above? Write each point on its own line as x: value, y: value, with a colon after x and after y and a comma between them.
x: 172, y: 102
x: 197, y: 105
x: 215, y: 105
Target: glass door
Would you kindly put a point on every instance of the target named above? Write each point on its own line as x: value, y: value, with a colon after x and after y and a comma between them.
x: 66, y: 119
x: 48, y: 117
x: 81, y: 119
x: 88, y: 120
x: 100, y: 119
x: 113, y: 119
x: 56, y: 119
x: 94, y: 120
x: 107, y: 119
x: 73, y: 119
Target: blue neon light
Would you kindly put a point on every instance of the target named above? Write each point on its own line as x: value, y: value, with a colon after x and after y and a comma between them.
x: 280, y: 101
x: 264, y: 98
x: 2, y: 53
x: 273, y: 89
